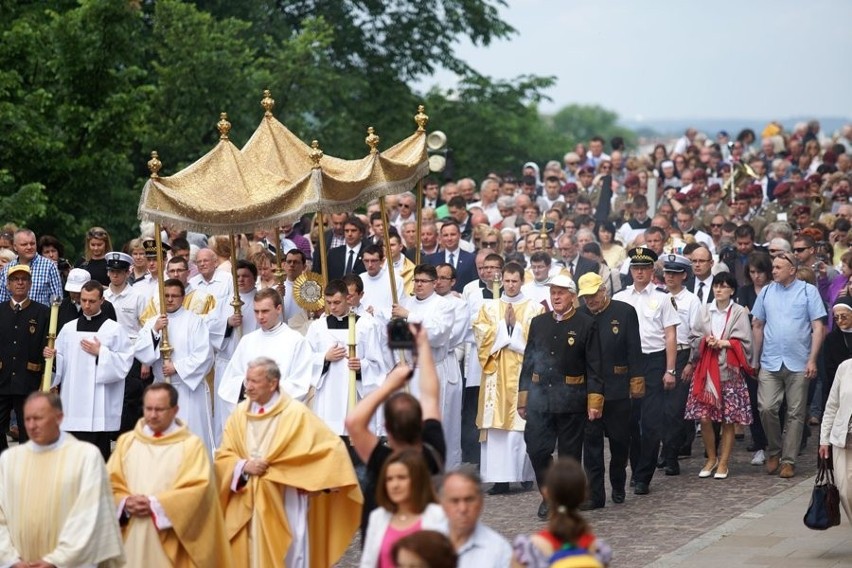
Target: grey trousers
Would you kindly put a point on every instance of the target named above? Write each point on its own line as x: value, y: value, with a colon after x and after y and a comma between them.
x: 772, y: 387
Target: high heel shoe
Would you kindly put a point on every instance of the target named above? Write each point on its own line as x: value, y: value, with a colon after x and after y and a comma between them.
x: 721, y: 474
x: 708, y: 472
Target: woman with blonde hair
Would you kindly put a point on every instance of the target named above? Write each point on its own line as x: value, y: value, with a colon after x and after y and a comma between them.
x: 97, y: 243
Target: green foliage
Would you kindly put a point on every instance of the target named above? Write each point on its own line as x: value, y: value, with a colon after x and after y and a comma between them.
x: 89, y: 88
x: 578, y: 123
x: 494, y: 125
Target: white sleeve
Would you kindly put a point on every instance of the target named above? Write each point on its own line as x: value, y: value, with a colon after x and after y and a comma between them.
x: 115, y: 357
x: 192, y: 366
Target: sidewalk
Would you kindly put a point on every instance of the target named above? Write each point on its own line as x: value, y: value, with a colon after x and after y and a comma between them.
x: 770, y: 534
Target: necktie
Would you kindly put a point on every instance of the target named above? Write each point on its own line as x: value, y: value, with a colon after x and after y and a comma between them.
x: 260, y: 411
x: 158, y: 434
x: 701, y: 291
x: 571, y: 267
x: 350, y: 262
x: 453, y: 259
x: 17, y: 307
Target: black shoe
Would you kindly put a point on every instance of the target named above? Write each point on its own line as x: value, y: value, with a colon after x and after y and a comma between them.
x: 672, y: 468
x: 543, y: 511
x: 590, y: 505
x: 618, y: 497
x: 685, y: 452
x: 499, y: 489
x: 526, y: 485
x: 641, y: 488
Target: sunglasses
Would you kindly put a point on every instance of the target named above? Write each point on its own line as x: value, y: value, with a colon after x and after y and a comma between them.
x: 97, y: 234
x: 800, y: 249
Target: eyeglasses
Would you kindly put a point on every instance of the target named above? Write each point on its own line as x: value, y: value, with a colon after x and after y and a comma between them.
x: 404, y: 205
x: 842, y: 315
x: 716, y: 225
x: 423, y: 281
x: 489, y: 243
x: 800, y: 249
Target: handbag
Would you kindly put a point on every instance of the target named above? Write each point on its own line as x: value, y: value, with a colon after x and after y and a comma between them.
x: 824, y: 509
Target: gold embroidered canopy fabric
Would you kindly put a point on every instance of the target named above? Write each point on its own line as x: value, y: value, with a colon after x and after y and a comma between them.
x: 273, y: 180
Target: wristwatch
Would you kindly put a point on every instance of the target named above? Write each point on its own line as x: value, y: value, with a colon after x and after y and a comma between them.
x: 671, y: 372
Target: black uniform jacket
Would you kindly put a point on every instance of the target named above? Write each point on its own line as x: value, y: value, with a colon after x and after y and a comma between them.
x: 561, y: 365
x: 622, y: 364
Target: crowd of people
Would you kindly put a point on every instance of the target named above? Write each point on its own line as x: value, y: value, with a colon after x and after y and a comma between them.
x: 548, y: 312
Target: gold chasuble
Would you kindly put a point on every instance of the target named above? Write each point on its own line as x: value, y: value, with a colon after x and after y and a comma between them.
x: 501, y: 353
x: 303, y: 454
x: 175, y: 469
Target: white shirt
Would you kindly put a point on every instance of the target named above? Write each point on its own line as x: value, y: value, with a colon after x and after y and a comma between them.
x: 656, y: 313
x: 129, y: 304
x: 688, y: 310
x: 485, y: 547
x: 707, y: 291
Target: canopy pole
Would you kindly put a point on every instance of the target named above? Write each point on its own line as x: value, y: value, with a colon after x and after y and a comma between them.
x: 419, y: 221
x: 165, y: 348
x: 237, y: 301
x: 279, y: 267
x: 323, y: 252
x: 388, y: 257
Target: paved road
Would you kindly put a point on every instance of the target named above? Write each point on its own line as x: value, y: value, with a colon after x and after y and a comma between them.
x: 678, y: 510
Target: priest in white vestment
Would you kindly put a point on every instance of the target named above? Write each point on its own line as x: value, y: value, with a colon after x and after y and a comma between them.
x: 329, y: 341
x: 273, y: 339
x: 55, y: 500
x: 377, y: 289
x: 436, y: 315
x: 501, y: 329
x: 237, y: 326
x: 191, y: 359
x: 452, y: 396
x: 93, y: 356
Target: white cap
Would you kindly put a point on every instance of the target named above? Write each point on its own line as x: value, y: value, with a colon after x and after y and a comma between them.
x: 562, y: 281
x: 76, y: 278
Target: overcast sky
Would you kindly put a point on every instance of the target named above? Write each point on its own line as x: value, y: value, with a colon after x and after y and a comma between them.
x: 665, y: 59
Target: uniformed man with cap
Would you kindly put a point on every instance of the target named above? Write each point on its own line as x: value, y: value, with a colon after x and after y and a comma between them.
x: 560, y: 384
x: 623, y: 376
x: 658, y: 321
x: 23, y: 334
x: 679, y: 432
x: 148, y: 285
x: 129, y: 304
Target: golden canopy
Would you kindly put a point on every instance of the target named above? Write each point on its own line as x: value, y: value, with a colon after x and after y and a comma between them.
x: 276, y: 179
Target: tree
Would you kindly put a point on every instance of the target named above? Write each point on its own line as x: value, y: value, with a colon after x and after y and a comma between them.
x: 578, y: 123
x: 89, y: 87
x: 494, y: 125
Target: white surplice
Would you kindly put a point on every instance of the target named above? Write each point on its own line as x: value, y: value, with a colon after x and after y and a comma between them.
x: 92, y: 388
x: 377, y: 290
x: 223, y: 357
x: 192, y: 358
x: 331, y: 401
x: 286, y: 347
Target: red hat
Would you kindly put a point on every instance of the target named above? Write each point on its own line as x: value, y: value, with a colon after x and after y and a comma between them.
x: 631, y: 180
x: 743, y: 194
x: 801, y: 210
x: 714, y: 187
x: 694, y: 193
x: 587, y: 170
x: 569, y: 187
x: 800, y: 186
x: 681, y: 197
x: 698, y: 174
x: 840, y: 193
x: 814, y: 179
x: 829, y: 157
x: 755, y: 189
x: 783, y: 188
